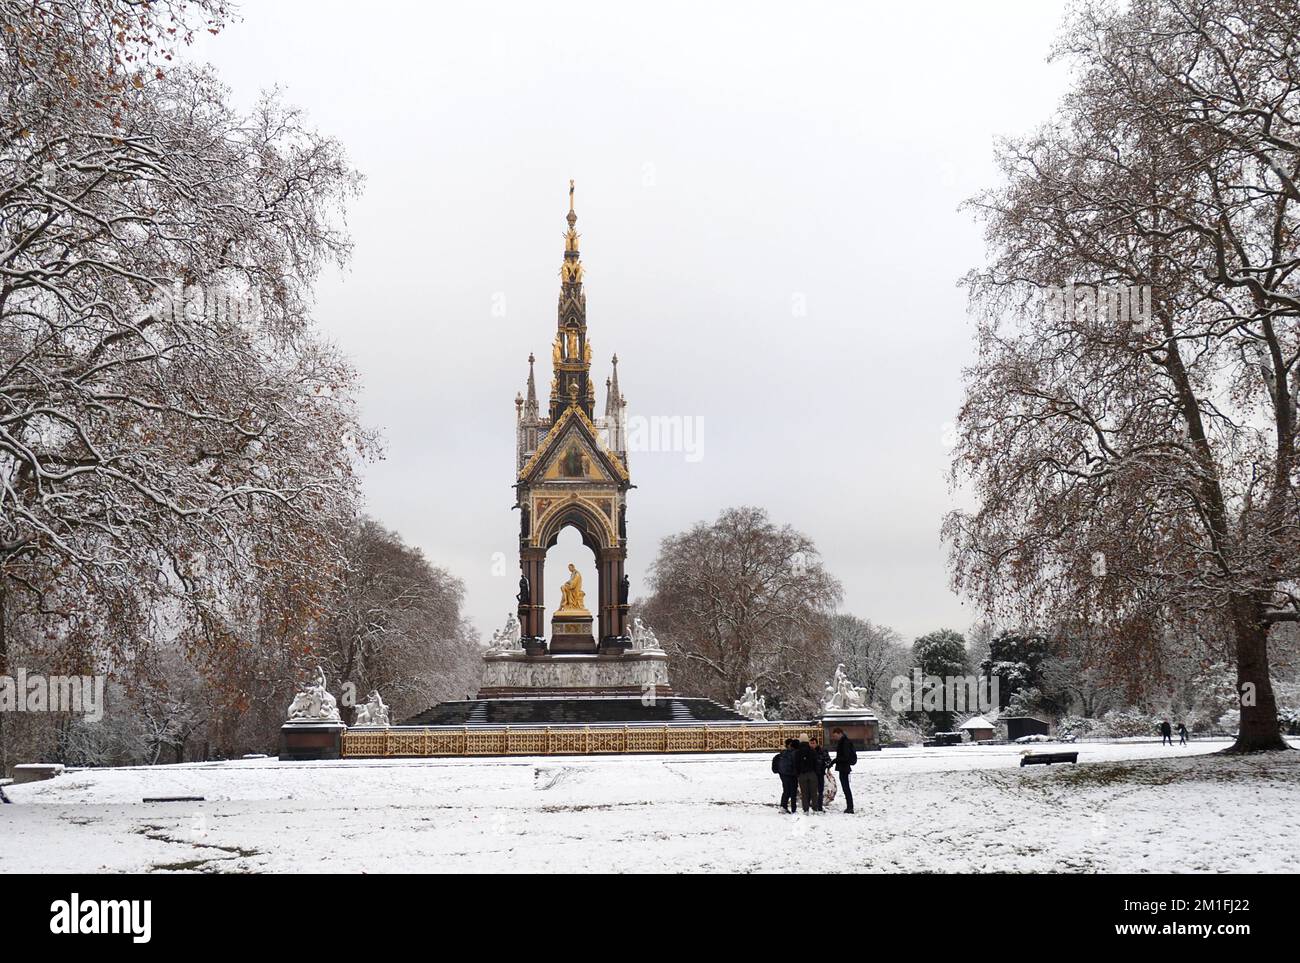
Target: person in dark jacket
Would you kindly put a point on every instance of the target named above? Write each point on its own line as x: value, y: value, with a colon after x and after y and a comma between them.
x: 806, y: 764
x: 776, y: 771
x: 823, y: 766
x: 785, y: 767
x: 845, y: 757
x: 1166, y: 733
x: 1182, y: 734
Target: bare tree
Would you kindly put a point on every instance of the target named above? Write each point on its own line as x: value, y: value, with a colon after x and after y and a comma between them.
x: 872, y: 654
x: 743, y: 601
x: 1079, y: 670
x: 395, y: 625
x: 172, y: 434
x: 1135, y: 467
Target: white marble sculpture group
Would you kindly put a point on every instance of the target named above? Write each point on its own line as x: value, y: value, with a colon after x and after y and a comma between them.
x: 314, y: 703
x: 841, y: 694
x: 506, y: 639
x: 643, y: 638
x: 372, y: 712
x: 751, y: 705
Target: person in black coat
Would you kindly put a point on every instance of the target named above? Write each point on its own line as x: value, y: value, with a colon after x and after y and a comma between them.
x: 1166, y: 733
x: 823, y: 766
x: 807, y: 765
x: 845, y: 758
x: 784, y: 765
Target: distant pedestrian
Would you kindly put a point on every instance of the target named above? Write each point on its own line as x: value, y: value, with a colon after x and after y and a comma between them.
x: 1166, y: 734
x: 846, y: 757
x: 807, y: 763
x: 783, y: 764
x: 1182, y: 734
x: 823, y: 767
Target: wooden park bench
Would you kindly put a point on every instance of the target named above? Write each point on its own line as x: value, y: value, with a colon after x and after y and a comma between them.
x: 1047, y: 758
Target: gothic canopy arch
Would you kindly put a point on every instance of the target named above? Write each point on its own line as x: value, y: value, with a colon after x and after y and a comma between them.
x: 571, y: 467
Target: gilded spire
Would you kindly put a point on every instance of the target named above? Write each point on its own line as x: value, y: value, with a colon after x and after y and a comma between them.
x: 571, y: 268
x: 571, y: 352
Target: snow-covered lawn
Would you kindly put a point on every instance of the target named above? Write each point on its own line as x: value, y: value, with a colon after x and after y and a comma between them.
x: 1124, y: 808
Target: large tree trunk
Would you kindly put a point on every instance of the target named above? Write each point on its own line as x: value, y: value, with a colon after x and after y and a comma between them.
x: 1258, y: 730
x: 4, y: 670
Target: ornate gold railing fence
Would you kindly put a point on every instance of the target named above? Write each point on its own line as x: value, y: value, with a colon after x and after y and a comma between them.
x: 569, y: 740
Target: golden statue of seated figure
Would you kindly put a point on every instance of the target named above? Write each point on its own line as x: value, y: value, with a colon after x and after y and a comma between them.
x: 572, y: 599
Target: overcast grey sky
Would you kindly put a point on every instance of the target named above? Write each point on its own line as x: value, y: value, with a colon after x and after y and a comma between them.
x: 767, y: 196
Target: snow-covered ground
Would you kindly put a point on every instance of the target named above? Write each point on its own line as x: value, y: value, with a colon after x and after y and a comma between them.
x: 1125, y: 808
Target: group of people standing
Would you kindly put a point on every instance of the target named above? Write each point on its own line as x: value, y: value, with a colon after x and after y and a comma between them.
x: 803, y: 766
